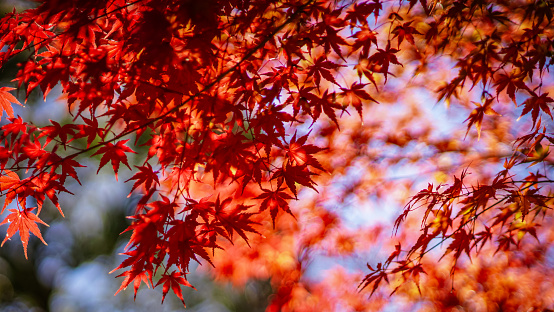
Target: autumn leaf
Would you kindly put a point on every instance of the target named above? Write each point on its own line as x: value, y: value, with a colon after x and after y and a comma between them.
x: 234, y: 220
x: 48, y: 185
x: 364, y: 39
x: 301, y: 153
x: 174, y: 281
x: 68, y: 169
x: 383, y: 58
x: 476, y: 116
x: 136, y: 278
x: 56, y: 130
x: 405, y: 31
x: 354, y: 96
x: 322, y: 68
x: 535, y: 104
x: 295, y: 174
x: 23, y: 221
x: 90, y: 130
x: 361, y: 11
x: 482, y: 237
x: 327, y: 104
x: 146, y: 176
x: 275, y: 201
x: 6, y: 100
x: 461, y: 243
x: 511, y: 83
x: 115, y: 154
x: 505, y: 242
x: 376, y: 276
x: 7, y: 182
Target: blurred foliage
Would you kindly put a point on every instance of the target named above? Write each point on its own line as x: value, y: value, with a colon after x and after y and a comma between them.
x: 37, y: 284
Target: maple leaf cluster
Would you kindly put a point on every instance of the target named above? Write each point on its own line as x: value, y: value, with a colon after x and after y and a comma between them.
x: 210, y: 88
x: 238, y: 104
x: 504, y: 62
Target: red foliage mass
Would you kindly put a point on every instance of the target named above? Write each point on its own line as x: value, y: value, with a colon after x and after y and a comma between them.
x: 229, y: 94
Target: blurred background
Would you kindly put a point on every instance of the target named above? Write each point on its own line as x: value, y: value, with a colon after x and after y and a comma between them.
x: 71, y: 273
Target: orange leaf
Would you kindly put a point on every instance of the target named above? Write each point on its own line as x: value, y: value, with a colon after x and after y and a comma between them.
x: 6, y: 183
x: 6, y: 100
x: 23, y: 221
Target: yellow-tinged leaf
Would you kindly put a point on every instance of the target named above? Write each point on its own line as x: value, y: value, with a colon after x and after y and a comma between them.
x: 6, y: 100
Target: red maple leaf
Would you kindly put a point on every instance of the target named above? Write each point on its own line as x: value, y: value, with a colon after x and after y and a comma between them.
x: 90, y: 130
x: 461, y: 243
x: 7, y: 182
x: 360, y: 12
x: 14, y: 128
x: 68, y: 169
x: 56, y: 130
x: 364, y: 39
x: 275, y: 200
x: 114, y: 153
x: 382, y: 60
x: 405, y: 31
x: 6, y: 100
x: 300, y: 153
x: 355, y: 95
x: 535, y: 104
x: 295, y: 174
x: 376, y: 277
x: 321, y: 68
x: 49, y: 185
x: 326, y: 103
x: 476, y: 116
x: 174, y: 281
x: 234, y: 220
x: 23, y: 221
x: 146, y: 176
x: 511, y: 83
x: 136, y: 277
